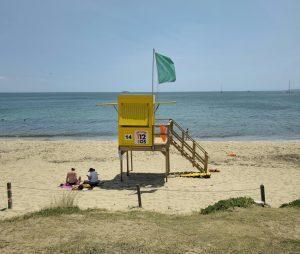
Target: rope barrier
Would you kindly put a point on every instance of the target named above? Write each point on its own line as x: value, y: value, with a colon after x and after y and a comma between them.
x: 30, y: 188
x: 138, y: 191
x: 205, y: 191
x: 134, y: 188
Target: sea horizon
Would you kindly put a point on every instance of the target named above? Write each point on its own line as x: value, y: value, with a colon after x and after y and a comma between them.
x: 149, y: 92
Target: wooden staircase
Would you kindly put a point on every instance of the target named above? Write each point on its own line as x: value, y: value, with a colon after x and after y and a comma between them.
x: 165, y: 135
x: 188, y: 147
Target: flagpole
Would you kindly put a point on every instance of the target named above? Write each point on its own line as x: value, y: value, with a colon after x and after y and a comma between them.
x: 153, y: 71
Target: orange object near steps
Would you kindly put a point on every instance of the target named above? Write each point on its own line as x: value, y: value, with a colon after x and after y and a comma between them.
x: 163, y: 132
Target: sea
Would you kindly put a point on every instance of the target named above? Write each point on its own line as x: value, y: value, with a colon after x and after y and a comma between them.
x: 207, y: 115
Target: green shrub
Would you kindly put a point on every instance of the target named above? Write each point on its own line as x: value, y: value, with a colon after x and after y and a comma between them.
x: 295, y: 203
x: 226, y: 204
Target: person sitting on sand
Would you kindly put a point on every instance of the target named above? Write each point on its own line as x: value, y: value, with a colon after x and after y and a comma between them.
x: 93, y: 178
x: 71, y: 178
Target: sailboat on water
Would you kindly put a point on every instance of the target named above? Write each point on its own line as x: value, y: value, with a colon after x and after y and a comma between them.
x: 289, y: 90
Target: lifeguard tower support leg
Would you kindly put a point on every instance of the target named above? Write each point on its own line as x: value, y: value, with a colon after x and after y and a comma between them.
x: 168, y: 161
x: 131, y: 165
x: 121, y: 170
x: 166, y: 153
x: 127, y: 160
x: 121, y: 165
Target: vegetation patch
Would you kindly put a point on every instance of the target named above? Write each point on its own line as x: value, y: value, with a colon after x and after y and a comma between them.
x: 65, y: 204
x: 67, y: 200
x: 295, y: 203
x: 247, y: 231
x: 227, y: 204
x: 47, y: 212
x: 55, y: 211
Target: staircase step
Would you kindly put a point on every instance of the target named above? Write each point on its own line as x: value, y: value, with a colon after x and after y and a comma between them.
x: 185, y: 154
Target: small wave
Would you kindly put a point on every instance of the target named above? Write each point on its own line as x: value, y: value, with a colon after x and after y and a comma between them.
x: 222, y: 135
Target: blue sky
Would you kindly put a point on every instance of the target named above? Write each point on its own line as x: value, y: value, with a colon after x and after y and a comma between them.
x: 89, y: 45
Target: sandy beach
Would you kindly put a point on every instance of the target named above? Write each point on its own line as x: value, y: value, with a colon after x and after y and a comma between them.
x: 36, y: 168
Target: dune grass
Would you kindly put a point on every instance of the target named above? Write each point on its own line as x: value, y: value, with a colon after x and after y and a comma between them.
x: 228, y: 204
x: 71, y: 230
x: 295, y: 203
x: 62, y: 205
x: 65, y: 204
x: 64, y: 228
x: 66, y: 200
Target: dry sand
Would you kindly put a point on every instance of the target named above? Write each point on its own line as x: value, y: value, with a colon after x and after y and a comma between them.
x: 36, y: 168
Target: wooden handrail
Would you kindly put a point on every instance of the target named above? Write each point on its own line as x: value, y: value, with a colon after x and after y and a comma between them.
x: 188, y: 136
x: 195, y: 163
x: 194, y: 142
x: 194, y: 150
x: 187, y: 150
x: 175, y: 134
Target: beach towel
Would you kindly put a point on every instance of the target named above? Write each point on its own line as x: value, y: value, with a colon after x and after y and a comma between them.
x: 66, y: 186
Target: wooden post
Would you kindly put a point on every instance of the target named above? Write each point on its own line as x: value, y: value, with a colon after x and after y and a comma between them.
x: 206, y: 162
x: 194, y: 151
x: 168, y: 135
x: 170, y: 130
x: 262, y: 194
x: 9, y: 196
x: 127, y: 160
x: 182, y: 140
x: 121, y: 167
x: 167, y: 156
x: 138, y: 191
x: 131, y: 165
x: 168, y: 160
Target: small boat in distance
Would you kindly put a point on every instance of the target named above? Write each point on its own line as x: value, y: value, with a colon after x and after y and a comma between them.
x: 289, y: 90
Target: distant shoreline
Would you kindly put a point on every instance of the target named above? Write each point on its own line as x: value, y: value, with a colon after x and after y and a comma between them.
x: 148, y: 92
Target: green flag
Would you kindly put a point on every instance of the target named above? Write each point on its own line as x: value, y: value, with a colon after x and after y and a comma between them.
x: 165, y: 69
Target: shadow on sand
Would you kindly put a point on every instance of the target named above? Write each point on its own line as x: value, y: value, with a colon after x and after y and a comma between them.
x: 150, y: 180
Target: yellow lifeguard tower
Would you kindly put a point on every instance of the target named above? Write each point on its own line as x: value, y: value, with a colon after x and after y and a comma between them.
x: 139, y: 130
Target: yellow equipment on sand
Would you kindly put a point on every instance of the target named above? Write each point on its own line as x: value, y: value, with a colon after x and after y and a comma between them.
x: 192, y: 174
